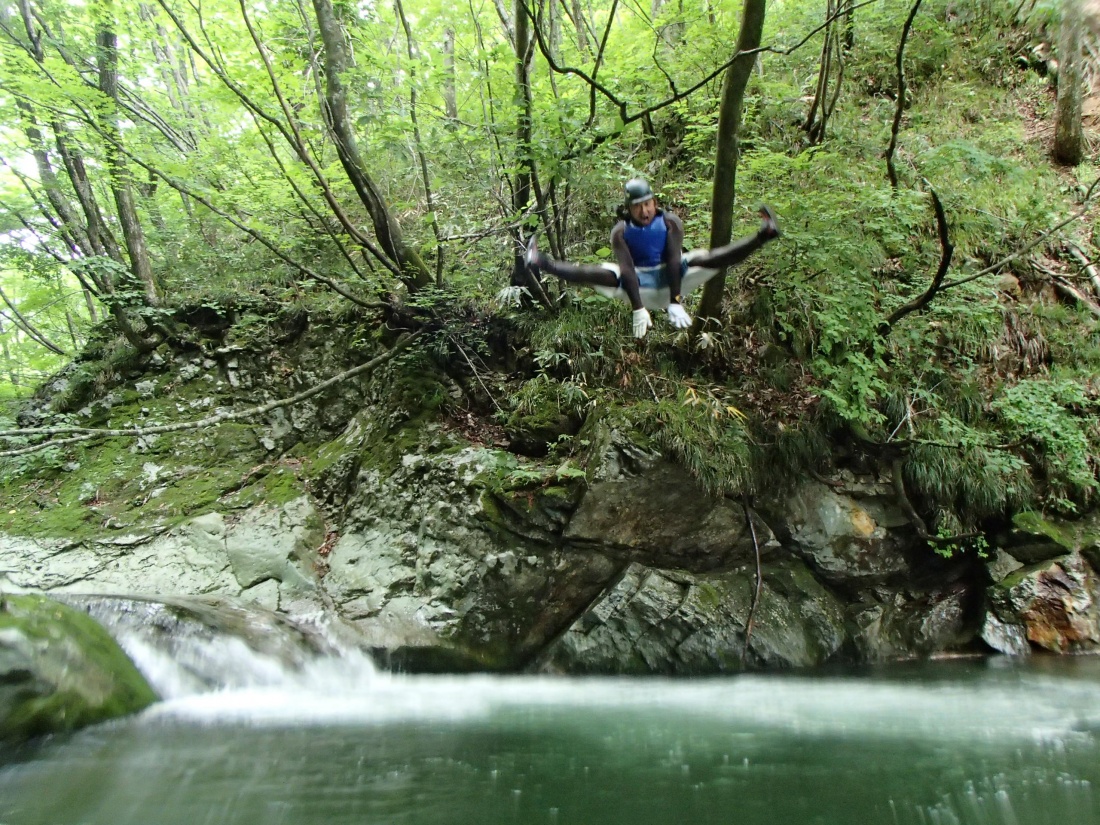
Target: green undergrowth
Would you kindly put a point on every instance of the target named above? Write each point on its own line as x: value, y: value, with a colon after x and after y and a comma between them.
x: 83, y: 488
x: 985, y: 400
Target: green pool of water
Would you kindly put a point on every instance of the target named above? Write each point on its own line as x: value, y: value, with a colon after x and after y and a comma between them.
x: 983, y: 742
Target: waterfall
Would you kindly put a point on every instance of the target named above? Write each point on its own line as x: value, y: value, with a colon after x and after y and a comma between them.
x: 190, y: 646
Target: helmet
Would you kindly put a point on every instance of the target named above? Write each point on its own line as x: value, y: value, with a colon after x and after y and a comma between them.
x: 637, y: 191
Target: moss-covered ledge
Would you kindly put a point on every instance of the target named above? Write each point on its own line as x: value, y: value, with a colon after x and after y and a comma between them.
x: 1035, y: 538
x: 60, y: 670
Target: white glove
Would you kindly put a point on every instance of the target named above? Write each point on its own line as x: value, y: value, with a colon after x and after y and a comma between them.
x: 678, y: 317
x: 642, y: 322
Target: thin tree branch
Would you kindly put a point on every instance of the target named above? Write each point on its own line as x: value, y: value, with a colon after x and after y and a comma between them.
x: 1003, y: 262
x: 267, y: 243
x: 948, y: 250
x: 81, y: 434
x: 627, y: 117
x: 20, y: 321
x: 751, y: 621
x: 306, y: 201
x: 427, y: 182
x: 901, y: 96
x: 1089, y: 266
x: 1068, y: 290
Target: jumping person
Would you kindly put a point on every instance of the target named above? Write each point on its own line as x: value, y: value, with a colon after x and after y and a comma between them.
x: 652, y: 272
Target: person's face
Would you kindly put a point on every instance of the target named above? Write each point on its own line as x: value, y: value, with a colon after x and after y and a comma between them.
x: 643, y: 212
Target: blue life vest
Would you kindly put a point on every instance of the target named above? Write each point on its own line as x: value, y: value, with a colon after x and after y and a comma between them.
x: 647, y: 243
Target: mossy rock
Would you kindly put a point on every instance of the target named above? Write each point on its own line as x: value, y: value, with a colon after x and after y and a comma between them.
x: 60, y: 670
x: 1035, y: 539
x: 533, y: 435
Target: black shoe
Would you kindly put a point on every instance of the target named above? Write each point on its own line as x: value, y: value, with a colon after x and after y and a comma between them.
x: 769, y: 228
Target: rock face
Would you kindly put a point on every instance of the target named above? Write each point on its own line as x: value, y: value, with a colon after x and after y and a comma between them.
x: 1052, y: 604
x: 661, y: 515
x: 839, y: 578
x: 847, y: 539
x: 447, y: 556
x: 1045, y: 592
x: 430, y: 570
x: 267, y: 545
x: 675, y: 622
x: 437, y: 552
x: 60, y: 670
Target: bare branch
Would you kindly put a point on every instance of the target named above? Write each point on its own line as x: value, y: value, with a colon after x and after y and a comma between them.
x: 1089, y: 266
x: 81, y: 434
x: 901, y: 96
x: 20, y: 321
x: 948, y: 250
x: 622, y: 106
x: 183, y: 189
x: 751, y: 621
x: 1068, y: 290
x: 419, y: 144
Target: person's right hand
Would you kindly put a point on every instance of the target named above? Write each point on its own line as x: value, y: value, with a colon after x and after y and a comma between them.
x: 642, y: 322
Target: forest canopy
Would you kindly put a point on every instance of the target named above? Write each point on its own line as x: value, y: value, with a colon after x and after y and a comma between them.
x: 933, y: 299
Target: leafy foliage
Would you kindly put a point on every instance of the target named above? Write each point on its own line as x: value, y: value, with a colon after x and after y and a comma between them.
x: 988, y: 391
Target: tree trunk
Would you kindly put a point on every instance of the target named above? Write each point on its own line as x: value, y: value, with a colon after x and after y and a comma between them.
x: 672, y: 33
x: 814, y: 127
x: 1069, y: 136
x: 90, y: 234
x: 419, y: 143
x: 386, y: 228
x: 450, y: 98
x: 579, y: 25
x: 521, y: 188
x: 132, y: 233
x: 902, y: 94
x: 728, y: 152
x: 99, y: 234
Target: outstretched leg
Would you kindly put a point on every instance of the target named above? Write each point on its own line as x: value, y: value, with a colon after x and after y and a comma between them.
x: 591, y: 274
x: 738, y: 251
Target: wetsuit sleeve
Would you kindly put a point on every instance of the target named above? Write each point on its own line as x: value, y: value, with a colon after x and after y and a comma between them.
x: 622, y: 252
x: 674, y: 250
x: 628, y: 276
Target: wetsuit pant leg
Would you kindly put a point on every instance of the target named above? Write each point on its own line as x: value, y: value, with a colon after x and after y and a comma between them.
x: 731, y: 254
x: 579, y: 273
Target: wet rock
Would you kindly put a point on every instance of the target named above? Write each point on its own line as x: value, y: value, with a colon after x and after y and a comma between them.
x: 847, y: 541
x: 1034, y: 539
x: 1003, y: 637
x: 674, y: 622
x: 898, y: 625
x: 431, y: 571
x: 648, y: 509
x: 208, y: 638
x: 207, y: 554
x: 60, y: 670
x: 1053, y: 604
x: 1000, y: 564
x: 276, y: 543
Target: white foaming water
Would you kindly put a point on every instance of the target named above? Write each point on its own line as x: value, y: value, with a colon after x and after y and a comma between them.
x: 180, y: 673
x: 212, y: 679
x: 340, y: 692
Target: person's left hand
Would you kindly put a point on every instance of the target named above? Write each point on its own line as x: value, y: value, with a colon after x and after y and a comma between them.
x: 678, y: 317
